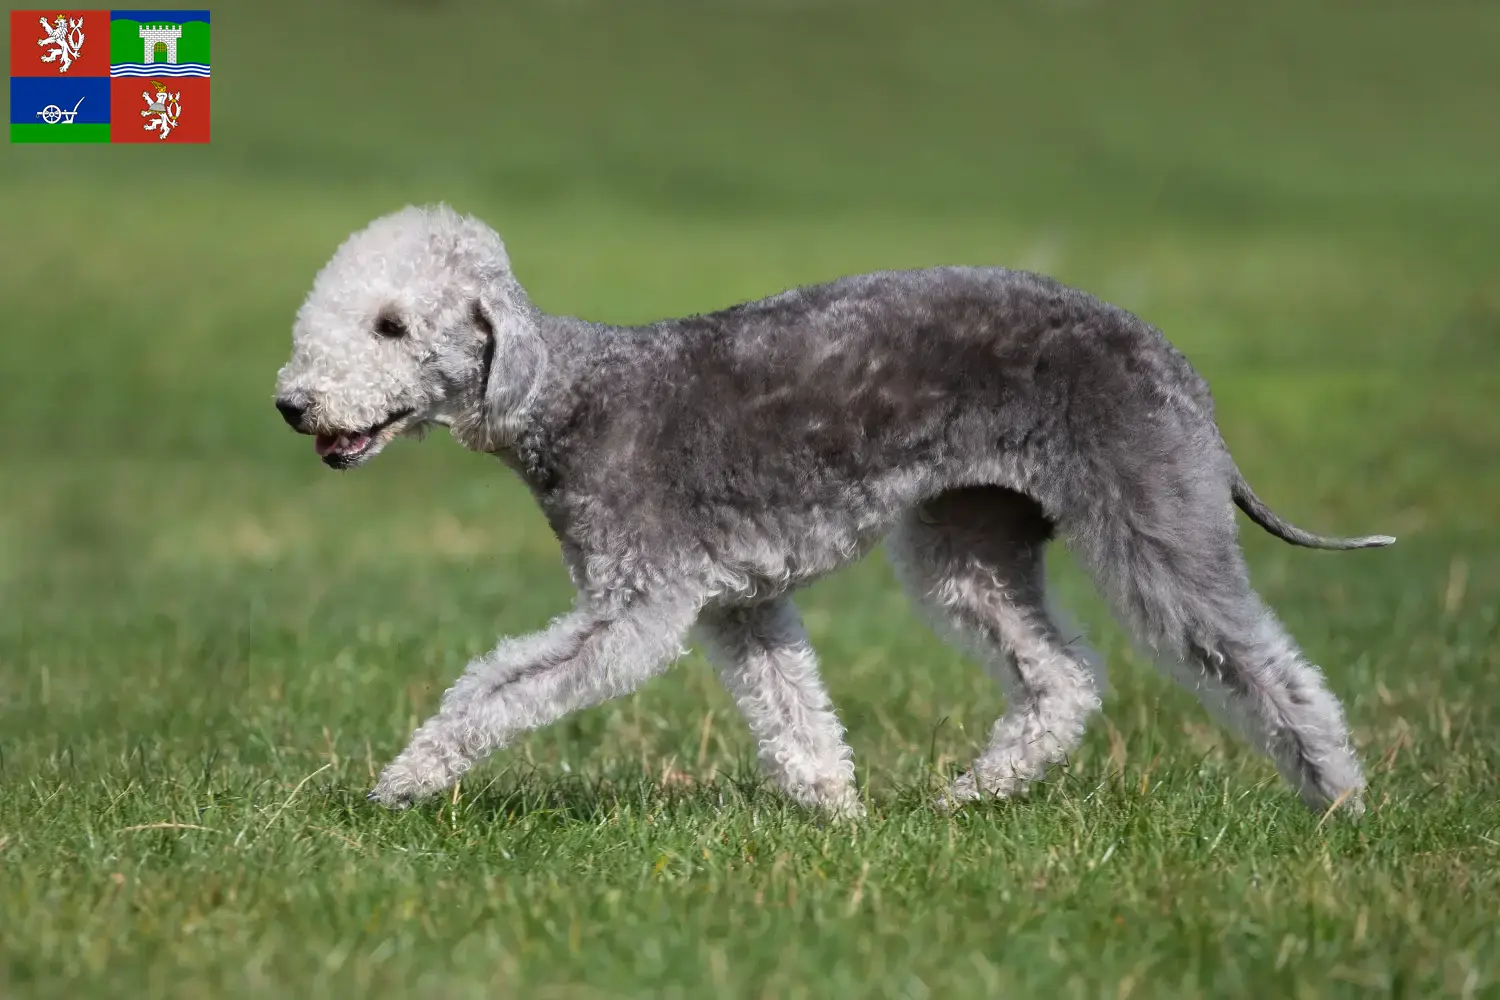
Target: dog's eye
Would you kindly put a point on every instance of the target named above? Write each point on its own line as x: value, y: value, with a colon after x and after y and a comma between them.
x: 389, y: 326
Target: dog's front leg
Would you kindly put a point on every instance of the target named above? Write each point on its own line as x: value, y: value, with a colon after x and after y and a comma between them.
x: 596, y: 653
x: 763, y: 655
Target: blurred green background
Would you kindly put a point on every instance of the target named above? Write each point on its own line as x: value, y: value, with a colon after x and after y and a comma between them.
x: 195, y: 616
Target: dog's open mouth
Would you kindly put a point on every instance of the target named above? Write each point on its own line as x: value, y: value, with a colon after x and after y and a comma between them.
x: 348, y: 449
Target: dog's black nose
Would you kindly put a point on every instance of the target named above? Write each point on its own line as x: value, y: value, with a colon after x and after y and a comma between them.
x: 291, y: 412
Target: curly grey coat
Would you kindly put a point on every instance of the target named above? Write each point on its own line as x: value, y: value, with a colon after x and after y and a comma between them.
x: 696, y: 471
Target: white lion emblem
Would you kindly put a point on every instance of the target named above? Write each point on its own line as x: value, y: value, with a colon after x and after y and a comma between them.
x: 165, y: 106
x: 66, y: 35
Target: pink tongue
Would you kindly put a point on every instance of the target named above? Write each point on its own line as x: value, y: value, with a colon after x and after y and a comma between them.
x: 327, y: 444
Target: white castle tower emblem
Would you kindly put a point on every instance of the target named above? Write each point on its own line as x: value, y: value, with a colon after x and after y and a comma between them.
x: 165, y: 35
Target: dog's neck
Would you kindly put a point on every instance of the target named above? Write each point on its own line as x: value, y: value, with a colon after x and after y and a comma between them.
x: 523, y: 370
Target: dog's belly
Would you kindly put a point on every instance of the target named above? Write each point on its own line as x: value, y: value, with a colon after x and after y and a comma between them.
x: 755, y: 558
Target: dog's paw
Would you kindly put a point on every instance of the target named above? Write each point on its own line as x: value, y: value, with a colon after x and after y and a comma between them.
x: 1348, y: 804
x: 410, y: 778
x: 1335, y: 785
x: 959, y: 793
x: 973, y: 786
x: 842, y: 805
x: 832, y: 795
x: 384, y: 797
x: 396, y: 789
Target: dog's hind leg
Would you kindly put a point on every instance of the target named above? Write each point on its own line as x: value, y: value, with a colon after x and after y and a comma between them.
x: 973, y: 560
x: 584, y: 658
x: 763, y: 656
x: 1169, y: 561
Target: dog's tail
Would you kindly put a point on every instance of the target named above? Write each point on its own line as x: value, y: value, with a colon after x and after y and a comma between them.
x: 1246, y: 500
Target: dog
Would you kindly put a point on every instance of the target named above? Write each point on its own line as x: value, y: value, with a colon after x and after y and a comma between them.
x: 697, y: 471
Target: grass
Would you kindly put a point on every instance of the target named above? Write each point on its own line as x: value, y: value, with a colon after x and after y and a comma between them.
x: 208, y: 644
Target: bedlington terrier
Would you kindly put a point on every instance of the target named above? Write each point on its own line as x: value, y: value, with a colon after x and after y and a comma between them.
x: 697, y: 471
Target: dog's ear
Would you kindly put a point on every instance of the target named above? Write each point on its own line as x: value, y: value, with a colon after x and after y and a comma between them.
x: 512, y: 360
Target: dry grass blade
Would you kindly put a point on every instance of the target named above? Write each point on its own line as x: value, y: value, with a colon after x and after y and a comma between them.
x: 277, y: 815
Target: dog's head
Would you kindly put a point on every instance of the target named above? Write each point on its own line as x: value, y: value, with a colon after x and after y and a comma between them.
x: 416, y: 320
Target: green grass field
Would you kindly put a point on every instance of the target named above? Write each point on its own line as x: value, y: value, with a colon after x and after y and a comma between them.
x: 209, y: 643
